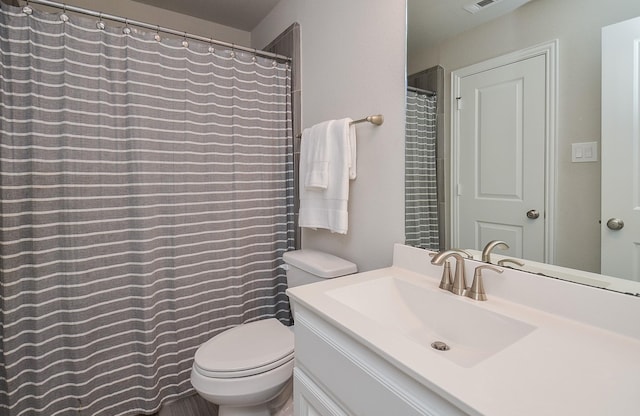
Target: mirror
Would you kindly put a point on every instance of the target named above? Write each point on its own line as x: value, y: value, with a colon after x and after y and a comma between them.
x: 444, y: 34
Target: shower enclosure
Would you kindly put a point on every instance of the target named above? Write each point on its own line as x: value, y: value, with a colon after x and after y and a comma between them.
x: 147, y: 199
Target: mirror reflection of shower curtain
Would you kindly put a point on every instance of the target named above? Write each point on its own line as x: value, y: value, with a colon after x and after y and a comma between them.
x: 421, y: 192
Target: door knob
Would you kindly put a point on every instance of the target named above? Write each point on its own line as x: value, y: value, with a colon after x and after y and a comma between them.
x: 615, y: 224
x: 533, y: 214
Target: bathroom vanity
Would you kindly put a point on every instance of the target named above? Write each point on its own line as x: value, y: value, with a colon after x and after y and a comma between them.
x: 537, y: 346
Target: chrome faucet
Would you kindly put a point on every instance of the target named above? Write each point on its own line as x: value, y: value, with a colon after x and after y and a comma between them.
x: 459, y: 286
x: 486, y: 252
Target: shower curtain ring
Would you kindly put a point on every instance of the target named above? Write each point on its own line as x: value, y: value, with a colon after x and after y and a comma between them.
x: 211, y: 48
x: 27, y: 9
x: 157, y: 35
x: 184, y: 40
x: 126, y: 30
x: 100, y: 24
x: 64, y: 17
x: 233, y: 50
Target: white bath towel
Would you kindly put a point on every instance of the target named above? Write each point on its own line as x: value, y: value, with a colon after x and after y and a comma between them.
x: 327, y: 207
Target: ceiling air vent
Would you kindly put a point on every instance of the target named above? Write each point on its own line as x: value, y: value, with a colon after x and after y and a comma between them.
x: 482, y: 4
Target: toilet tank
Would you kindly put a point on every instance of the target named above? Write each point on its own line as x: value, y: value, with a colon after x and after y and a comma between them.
x: 310, y: 266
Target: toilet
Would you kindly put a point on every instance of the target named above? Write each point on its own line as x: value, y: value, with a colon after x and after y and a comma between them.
x: 247, y: 370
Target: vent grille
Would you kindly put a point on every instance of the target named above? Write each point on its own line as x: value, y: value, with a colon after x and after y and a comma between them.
x: 482, y: 4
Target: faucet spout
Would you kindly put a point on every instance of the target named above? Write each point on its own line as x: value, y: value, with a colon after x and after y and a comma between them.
x: 459, y: 286
x: 486, y: 252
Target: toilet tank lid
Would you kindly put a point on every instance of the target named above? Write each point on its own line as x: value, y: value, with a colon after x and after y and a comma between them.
x: 319, y: 263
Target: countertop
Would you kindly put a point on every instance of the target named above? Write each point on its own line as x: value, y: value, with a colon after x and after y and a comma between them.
x: 563, y: 367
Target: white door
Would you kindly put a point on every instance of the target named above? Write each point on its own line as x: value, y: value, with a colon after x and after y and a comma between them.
x: 621, y: 149
x: 502, y: 122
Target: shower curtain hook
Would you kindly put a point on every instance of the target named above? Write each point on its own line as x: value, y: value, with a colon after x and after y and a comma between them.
x: 255, y: 54
x: 211, y: 48
x: 184, y: 40
x: 100, y: 24
x: 157, y: 35
x: 233, y: 50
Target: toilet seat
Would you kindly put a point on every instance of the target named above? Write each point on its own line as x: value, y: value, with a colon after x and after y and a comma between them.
x: 245, y: 350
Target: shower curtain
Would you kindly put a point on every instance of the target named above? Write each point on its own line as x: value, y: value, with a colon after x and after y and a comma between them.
x: 421, y: 186
x: 147, y: 195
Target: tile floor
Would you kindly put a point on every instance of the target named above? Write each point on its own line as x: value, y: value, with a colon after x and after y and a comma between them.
x: 197, y: 406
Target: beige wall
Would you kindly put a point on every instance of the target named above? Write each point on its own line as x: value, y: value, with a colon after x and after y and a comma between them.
x: 353, y: 65
x: 156, y: 16
x: 576, y: 24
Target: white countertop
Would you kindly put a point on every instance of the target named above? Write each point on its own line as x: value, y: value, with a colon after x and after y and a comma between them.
x: 564, y: 367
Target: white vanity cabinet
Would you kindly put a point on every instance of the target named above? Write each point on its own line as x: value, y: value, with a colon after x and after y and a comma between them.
x: 336, y: 375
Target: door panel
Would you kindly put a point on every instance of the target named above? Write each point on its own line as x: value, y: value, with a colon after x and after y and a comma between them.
x: 621, y: 149
x: 502, y: 118
x: 499, y: 161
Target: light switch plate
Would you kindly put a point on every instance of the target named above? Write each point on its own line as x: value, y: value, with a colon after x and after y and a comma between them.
x: 584, y: 152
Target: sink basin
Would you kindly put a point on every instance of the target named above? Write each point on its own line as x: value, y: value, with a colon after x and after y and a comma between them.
x: 426, y: 315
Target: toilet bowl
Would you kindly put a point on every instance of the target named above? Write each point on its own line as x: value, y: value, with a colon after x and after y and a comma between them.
x: 247, y: 370
x: 244, y: 368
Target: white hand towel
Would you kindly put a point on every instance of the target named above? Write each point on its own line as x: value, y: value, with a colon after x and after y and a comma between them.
x: 317, y: 175
x: 313, y: 150
x: 327, y: 208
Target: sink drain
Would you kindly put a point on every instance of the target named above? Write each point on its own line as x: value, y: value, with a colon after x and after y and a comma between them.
x: 440, y: 346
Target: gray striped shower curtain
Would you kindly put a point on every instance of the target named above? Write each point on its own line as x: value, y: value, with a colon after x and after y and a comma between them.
x: 421, y: 185
x: 147, y: 197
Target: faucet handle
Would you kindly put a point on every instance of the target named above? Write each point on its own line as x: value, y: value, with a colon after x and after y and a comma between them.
x: 514, y: 261
x: 476, y: 291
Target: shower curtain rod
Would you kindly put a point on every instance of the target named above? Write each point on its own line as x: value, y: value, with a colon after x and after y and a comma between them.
x: 421, y: 91
x: 157, y: 28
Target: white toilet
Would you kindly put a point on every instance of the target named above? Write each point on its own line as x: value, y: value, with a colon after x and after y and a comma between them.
x: 247, y: 370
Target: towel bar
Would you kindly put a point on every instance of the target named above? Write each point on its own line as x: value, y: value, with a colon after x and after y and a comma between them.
x: 376, y: 119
